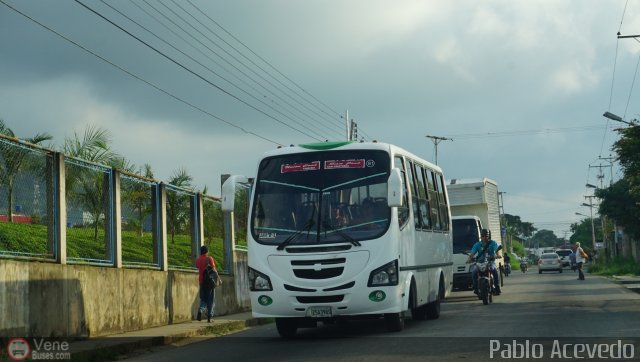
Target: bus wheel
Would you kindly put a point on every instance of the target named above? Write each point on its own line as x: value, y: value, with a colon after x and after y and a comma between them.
x: 287, y: 327
x: 417, y: 313
x: 394, y: 321
x: 433, y: 308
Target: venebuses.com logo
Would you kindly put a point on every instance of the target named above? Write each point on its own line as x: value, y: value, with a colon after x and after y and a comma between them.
x: 19, y: 349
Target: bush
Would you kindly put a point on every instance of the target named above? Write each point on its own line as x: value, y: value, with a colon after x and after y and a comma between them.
x: 617, y: 266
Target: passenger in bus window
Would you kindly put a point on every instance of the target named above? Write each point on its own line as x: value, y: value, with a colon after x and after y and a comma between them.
x: 338, y: 218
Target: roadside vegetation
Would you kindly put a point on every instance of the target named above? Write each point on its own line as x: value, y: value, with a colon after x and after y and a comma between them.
x: 617, y: 266
x: 32, y: 239
x: 86, y: 194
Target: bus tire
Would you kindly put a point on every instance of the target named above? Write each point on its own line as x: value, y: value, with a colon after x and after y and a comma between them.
x: 433, y: 308
x: 417, y: 313
x: 394, y: 321
x: 287, y: 327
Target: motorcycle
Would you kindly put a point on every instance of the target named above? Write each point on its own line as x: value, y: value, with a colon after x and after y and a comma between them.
x: 486, y: 288
x: 523, y: 266
x: 507, y: 269
x: 485, y: 281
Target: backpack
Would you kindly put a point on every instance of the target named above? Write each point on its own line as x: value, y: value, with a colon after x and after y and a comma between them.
x: 210, y: 276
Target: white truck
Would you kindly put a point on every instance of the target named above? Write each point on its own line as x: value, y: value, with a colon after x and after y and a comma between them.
x: 474, y: 206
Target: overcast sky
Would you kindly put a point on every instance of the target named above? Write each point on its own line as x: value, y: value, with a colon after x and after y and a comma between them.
x: 520, y: 86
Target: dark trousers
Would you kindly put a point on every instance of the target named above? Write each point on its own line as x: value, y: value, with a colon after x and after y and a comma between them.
x: 207, y: 296
x: 580, y: 274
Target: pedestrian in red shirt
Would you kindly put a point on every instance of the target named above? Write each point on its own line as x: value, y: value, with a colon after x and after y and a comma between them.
x: 207, y: 295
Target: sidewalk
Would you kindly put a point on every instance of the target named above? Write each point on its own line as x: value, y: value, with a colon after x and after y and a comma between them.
x: 109, y: 347
x: 631, y: 282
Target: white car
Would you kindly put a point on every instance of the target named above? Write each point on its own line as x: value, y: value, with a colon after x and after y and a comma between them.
x: 565, y: 257
x: 549, y: 261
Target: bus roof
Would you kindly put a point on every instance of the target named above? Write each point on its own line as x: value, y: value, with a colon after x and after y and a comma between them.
x: 345, y: 145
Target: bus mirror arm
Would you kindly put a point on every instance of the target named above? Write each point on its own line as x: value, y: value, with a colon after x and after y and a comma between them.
x: 394, y: 191
x: 229, y: 191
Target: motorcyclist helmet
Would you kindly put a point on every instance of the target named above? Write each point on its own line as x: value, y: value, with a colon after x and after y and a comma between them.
x: 485, y: 232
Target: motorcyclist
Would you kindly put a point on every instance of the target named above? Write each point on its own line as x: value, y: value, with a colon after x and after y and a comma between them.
x: 523, y: 264
x: 489, y: 247
x: 507, y: 263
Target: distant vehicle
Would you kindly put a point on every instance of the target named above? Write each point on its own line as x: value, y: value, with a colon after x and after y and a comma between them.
x: 466, y: 232
x: 549, y: 261
x: 565, y: 257
x: 473, y: 202
x: 345, y: 229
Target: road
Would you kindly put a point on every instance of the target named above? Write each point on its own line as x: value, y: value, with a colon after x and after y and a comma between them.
x: 536, y: 313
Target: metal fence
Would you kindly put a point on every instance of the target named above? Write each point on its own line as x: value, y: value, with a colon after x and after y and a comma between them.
x: 70, y: 210
x: 24, y: 199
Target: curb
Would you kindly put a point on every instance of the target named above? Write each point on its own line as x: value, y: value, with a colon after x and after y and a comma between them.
x: 108, y: 349
x: 631, y: 283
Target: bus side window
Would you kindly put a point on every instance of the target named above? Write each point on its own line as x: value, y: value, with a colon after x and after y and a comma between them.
x: 436, y: 221
x: 424, y: 198
x: 442, y: 201
x: 414, y: 195
x: 403, y: 212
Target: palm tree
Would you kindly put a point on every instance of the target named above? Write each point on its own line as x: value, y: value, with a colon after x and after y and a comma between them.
x: 137, y: 196
x: 84, y: 185
x: 12, y: 161
x: 176, y: 204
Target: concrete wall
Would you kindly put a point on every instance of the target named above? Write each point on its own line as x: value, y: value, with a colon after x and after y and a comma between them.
x: 39, y: 299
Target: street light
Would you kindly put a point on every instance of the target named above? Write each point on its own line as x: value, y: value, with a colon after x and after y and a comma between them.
x: 593, y: 228
x: 590, y: 186
x: 617, y: 118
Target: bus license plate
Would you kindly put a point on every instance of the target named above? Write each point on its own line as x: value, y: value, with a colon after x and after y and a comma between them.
x: 319, y: 312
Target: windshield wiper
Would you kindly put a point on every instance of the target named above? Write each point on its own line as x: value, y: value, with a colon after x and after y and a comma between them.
x: 346, y: 237
x: 293, y: 236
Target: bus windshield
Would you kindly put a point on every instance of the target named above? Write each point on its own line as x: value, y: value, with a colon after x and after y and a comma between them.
x: 465, y: 234
x: 321, y: 197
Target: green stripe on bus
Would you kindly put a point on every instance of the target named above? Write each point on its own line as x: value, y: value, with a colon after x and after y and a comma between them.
x: 325, y: 145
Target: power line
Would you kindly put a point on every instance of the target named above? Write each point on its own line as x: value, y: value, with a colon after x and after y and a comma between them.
x: 526, y: 132
x: 332, y: 119
x: 269, y: 64
x: 192, y: 72
x: 238, y: 61
x: 200, y: 63
x: 138, y: 77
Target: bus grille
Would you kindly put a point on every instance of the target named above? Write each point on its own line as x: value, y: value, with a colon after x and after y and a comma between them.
x: 321, y: 299
x: 318, y: 274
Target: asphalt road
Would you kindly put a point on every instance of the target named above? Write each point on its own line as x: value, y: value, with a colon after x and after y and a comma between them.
x: 537, y: 314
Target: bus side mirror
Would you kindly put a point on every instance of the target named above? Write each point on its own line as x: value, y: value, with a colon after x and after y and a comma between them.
x: 395, y: 189
x: 229, y: 191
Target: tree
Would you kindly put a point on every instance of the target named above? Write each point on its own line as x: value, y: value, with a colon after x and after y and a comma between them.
x: 176, y: 203
x: 627, y: 149
x: 86, y: 186
x: 136, y: 195
x: 581, y: 232
x: 518, y: 227
x: 545, y: 238
x: 12, y: 160
x: 621, y: 200
x: 620, y: 203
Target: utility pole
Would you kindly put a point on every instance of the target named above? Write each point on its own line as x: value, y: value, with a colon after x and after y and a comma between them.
x: 347, y: 124
x: 436, y: 140
x: 503, y: 222
x: 612, y: 245
x: 593, y: 229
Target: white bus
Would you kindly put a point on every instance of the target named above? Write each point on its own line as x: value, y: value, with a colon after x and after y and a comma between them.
x: 345, y: 229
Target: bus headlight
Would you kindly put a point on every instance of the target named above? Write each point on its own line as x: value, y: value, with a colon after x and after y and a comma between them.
x: 258, y: 281
x: 385, y: 275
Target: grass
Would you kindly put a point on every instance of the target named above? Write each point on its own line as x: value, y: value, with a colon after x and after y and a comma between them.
x: 32, y: 239
x: 617, y: 266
